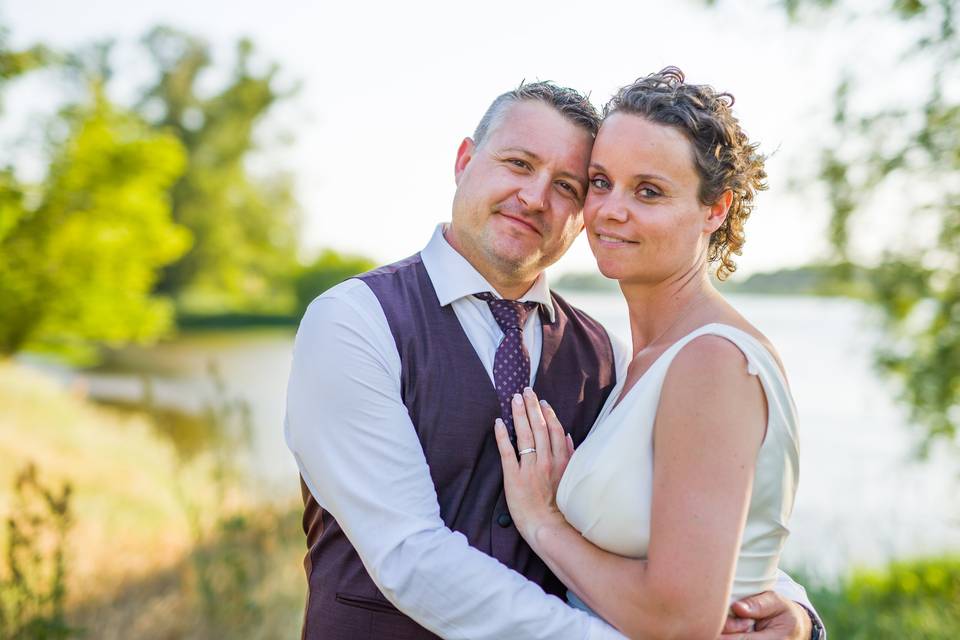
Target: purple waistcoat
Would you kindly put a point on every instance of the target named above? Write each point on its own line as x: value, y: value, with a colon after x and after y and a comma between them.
x: 452, y: 403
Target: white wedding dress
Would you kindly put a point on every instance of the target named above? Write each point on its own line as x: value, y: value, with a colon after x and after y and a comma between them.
x: 606, y: 490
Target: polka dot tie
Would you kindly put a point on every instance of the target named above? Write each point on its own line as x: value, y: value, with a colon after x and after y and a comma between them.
x: 511, y: 364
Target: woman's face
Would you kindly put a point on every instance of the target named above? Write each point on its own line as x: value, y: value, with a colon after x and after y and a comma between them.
x: 643, y: 218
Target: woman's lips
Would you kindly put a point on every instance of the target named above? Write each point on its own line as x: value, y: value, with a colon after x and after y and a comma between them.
x: 613, y: 240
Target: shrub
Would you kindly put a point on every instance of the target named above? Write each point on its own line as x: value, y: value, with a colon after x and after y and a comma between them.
x: 918, y: 599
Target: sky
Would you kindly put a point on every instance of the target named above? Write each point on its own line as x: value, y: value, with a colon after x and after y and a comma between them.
x: 389, y: 89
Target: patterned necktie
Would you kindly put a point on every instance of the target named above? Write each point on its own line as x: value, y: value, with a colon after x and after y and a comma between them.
x: 511, y: 364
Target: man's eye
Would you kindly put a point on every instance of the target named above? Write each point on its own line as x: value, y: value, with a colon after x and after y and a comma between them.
x: 566, y: 186
x: 523, y: 164
x: 599, y: 183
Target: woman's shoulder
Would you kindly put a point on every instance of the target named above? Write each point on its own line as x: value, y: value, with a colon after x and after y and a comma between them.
x: 708, y: 356
x: 723, y: 355
x: 733, y: 319
x: 710, y: 383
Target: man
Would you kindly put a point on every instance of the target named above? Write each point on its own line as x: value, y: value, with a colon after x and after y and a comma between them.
x: 398, y: 376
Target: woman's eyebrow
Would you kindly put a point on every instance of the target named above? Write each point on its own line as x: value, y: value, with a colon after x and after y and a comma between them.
x: 640, y: 176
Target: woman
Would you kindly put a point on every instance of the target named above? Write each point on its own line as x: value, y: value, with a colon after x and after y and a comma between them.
x: 677, y: 502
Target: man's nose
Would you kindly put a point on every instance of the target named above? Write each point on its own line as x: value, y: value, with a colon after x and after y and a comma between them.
x: 535, y: 193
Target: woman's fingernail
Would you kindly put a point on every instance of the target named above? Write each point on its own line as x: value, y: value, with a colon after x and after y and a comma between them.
x: 528, y: 390
x: 517, y: 399
x: 544, y: 403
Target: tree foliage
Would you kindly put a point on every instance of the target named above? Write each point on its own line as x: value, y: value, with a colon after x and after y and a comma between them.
x: 244, y: 226
x: 916, y: 599
x: 79, y: 253
x: 14, y: 63
x: 328, y: 269
x: 878, y: 147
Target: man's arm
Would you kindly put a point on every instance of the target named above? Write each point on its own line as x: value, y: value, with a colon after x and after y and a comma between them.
x: 783, y: 614
x: 793, y: 591
x: 361, y: 459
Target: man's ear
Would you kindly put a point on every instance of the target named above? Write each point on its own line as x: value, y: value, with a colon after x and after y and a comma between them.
x: 717, y: 212
x: 464, y: 156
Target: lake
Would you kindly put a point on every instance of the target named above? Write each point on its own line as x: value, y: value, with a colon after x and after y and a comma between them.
x: 863, y: 496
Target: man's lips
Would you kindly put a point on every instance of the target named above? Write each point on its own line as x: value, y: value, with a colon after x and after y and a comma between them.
x: 519, y: 220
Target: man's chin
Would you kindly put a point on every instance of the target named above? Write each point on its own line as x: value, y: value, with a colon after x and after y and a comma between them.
x: 515, y: 259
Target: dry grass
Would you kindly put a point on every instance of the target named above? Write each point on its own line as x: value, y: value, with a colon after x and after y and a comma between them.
x: 132, y: 551
x: 128, y: 521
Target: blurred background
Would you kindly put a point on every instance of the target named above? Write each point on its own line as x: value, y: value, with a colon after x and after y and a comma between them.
x: 179, y: 179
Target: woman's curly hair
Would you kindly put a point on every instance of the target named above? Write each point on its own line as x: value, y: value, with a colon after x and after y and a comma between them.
x: 724, y: 157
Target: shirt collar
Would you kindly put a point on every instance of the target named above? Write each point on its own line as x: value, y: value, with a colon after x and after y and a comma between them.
x: 453, y: 277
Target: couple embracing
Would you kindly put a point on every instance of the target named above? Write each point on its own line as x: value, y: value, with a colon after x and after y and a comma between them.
x: 480, y: 460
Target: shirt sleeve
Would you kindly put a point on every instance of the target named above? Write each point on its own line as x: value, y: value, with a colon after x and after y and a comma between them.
x: 795, y: 592
x: 359, y: 455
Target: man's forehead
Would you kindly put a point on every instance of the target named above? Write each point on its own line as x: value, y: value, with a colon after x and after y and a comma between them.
x: 529, y: 117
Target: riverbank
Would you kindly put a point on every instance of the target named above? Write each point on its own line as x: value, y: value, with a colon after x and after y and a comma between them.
x: 122, y: 475
x: 165, y: 545
x: 159, y: 546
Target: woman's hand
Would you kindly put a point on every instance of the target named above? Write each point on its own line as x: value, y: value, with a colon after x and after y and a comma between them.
x: 531, y: 482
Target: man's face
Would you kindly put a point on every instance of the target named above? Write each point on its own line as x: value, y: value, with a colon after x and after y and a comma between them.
x: 519, y: 198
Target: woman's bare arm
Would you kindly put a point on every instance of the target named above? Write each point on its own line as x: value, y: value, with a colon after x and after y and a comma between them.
x: 709, y: 427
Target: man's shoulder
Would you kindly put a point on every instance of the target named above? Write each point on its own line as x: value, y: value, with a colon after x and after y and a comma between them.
x: 356, y: 290
x: 393, y: 269
x: 350, y: 291
x: 347, y: 313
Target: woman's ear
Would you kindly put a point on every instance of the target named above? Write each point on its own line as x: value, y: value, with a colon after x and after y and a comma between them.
x: 717, y: 212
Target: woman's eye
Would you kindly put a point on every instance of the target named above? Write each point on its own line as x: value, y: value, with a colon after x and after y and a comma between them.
x: 647, y: 192
x: 599, y: 183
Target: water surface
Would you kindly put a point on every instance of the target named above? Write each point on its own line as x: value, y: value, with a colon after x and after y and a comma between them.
x: 863, y: 497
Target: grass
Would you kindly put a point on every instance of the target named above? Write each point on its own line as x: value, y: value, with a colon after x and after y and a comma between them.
x: 916, y: 599
x: 158, y: 547
x: 121, y: 473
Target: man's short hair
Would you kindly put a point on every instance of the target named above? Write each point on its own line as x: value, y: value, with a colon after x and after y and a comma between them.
x: 571, y: 104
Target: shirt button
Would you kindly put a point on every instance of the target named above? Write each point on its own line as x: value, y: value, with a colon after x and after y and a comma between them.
x: 504, y: 520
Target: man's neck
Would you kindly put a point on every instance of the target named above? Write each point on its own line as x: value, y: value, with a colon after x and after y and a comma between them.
x: 509, y: 288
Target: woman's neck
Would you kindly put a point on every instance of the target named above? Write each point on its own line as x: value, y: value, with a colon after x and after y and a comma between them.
x: 656, y: 309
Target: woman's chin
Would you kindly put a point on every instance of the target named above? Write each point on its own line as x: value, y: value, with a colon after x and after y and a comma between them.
x: 611, y: 269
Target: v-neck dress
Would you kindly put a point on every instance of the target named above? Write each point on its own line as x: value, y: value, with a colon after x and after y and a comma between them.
x: 606, y: 491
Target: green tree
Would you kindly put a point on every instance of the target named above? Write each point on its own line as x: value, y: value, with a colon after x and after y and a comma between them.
x: 16, y: 63
x: 878, y: 147
x: 328, y: 269
x: 79, y: 253
x: 244, y: 226
x: 916, y: 599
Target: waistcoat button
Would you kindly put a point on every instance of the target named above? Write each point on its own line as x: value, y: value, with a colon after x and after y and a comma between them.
x: 504, y: 520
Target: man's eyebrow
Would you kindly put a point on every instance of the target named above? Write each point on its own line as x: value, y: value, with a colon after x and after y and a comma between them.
x: 525, y: 152
x: 640, y: 176
x: 580, y: 180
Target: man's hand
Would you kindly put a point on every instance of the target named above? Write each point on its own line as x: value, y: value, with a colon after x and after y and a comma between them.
x: 767, y: 616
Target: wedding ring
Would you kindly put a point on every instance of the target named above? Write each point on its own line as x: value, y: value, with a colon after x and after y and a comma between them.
x: 526, y: 451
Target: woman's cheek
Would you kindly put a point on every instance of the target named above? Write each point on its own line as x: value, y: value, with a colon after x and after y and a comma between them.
x: 589, y: 210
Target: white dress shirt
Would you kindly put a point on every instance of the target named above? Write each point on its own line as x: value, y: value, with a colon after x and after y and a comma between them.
x: 359, y: 455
